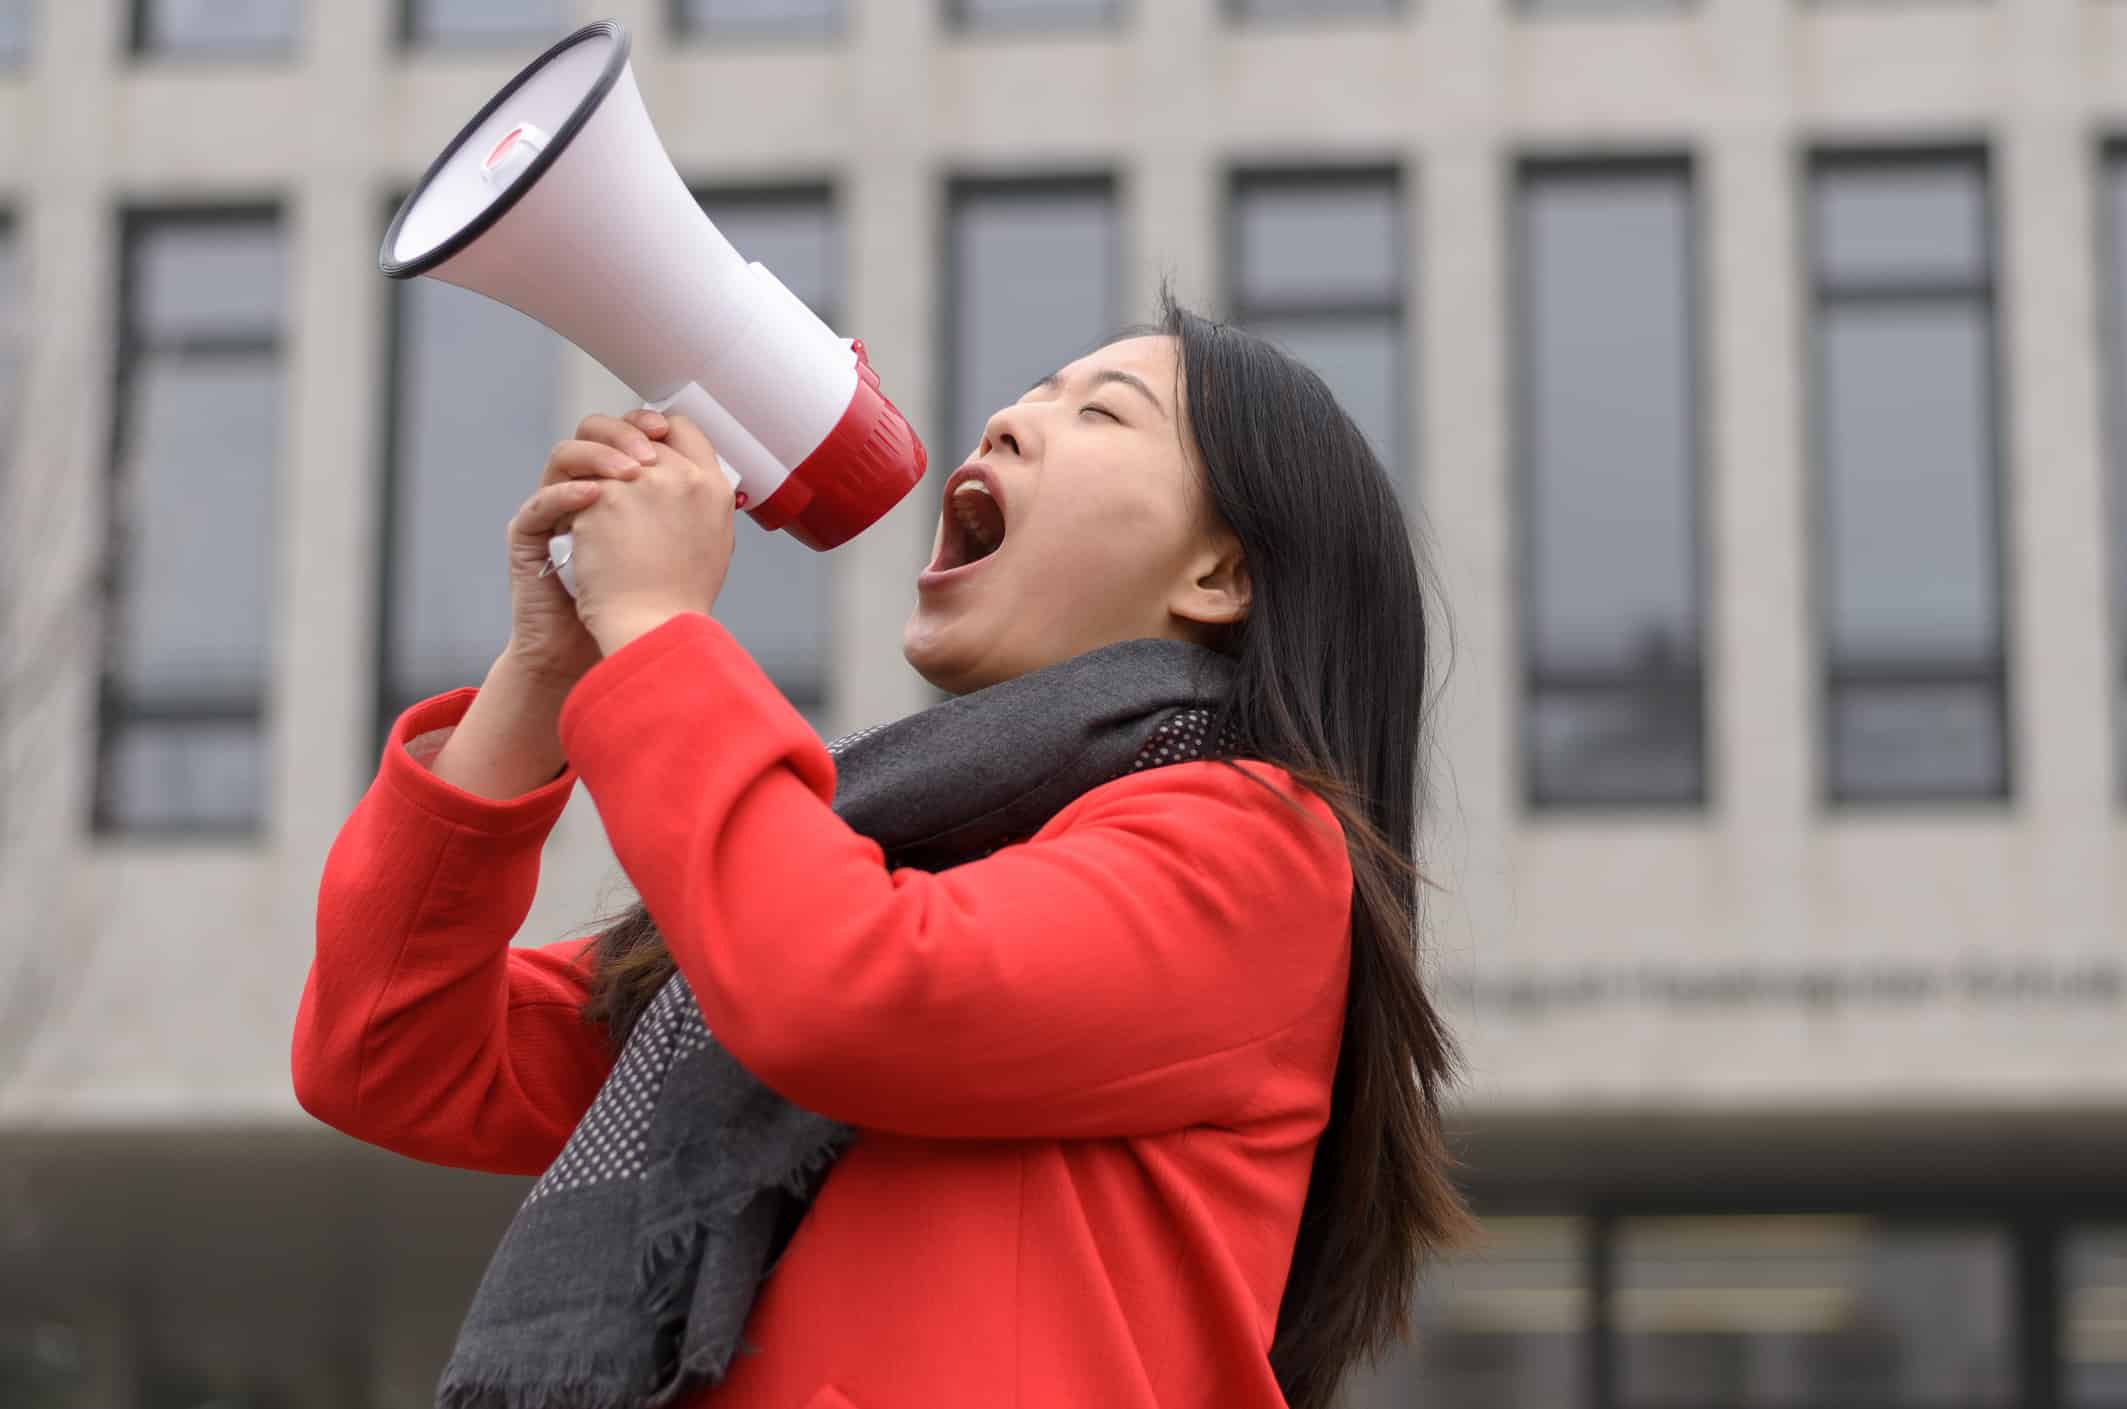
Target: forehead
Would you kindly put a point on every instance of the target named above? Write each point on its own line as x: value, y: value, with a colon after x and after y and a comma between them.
x: 1150, y: 358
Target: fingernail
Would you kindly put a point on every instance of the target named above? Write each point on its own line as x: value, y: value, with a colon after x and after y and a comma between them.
x: 656, y: 420
x: 647, y: 453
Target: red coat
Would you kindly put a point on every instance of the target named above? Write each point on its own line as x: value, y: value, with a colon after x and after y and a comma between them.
x: 1090, y: 1069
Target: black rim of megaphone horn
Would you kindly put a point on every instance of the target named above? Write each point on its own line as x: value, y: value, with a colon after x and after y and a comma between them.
x: 514, y: 192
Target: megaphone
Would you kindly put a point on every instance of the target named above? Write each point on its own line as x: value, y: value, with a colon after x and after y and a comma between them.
x: 558, y: 200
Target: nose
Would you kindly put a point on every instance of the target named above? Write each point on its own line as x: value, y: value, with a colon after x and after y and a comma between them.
x: 1010, y: 430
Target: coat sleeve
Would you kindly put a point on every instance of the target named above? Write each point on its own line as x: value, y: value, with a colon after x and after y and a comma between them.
x: 421, y: 1029
x: 1125, y: 972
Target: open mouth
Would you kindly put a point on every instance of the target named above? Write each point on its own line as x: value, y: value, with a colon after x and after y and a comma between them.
x: 974, y: 522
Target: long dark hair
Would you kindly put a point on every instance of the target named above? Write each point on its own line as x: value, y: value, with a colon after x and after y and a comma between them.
x: 1330, y: 684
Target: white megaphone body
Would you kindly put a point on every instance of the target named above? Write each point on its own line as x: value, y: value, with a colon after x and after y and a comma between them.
x: 558, y: 199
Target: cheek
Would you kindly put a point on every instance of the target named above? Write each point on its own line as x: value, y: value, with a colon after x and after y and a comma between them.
x: 1113, y: 549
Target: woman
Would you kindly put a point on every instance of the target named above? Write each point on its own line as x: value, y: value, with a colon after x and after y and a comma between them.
x: 1117, y: 1060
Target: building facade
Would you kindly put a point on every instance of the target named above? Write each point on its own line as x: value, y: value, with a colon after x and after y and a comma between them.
x: 1751, y: 371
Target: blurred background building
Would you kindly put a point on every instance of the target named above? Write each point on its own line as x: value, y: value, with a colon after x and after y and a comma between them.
x: 1751, y: 370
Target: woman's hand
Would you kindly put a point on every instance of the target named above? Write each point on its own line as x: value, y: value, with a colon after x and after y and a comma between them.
x: 656, y: 546
x: 548, y: 643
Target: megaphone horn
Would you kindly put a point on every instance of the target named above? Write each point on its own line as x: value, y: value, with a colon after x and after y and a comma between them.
x: 558, y: 200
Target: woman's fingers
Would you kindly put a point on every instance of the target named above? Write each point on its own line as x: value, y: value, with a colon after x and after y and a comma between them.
x: 653, y: 424
x: 620, y: 434
x: 545, y: 511
x: 687, y: 438
x: 589, y: 459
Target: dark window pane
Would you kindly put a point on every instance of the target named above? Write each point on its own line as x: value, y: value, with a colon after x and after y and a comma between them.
x: 1598, y: 7
x: 1313, y: 242
x: 1507, y: 1328
x: 1909, y: 497
x: 18, y: 19
x: 1909, y: 531
x: 1769, y: 1311
x: 477, y: 383
x: 2116, y: 245
x: 1919, y: 739
x: 814, y: 19
x: 1312, y: 9
x: 192, y: 536
x: 2094, y: 1317
x: 199, y: 514
x: 489, y: 21
x: 1612, y: 615
x: 217, y: 26
x: 1319, y: 268
x: 1035, y: 275
x: 1901, y: 222
x: 209, y: 774
x: 212, y: 279
x: 777, y: 598
x: 1034, y: 14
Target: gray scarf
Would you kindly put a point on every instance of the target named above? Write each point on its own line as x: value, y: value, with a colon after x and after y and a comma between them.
x: 627, y: 1275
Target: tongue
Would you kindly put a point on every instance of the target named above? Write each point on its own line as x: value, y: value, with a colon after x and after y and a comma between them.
x: 981, y: 509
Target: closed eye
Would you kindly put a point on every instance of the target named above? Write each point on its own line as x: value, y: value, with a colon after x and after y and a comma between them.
x: 1101, y: 410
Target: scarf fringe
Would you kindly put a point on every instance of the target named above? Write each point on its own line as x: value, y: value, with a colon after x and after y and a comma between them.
x: 582, y: 1382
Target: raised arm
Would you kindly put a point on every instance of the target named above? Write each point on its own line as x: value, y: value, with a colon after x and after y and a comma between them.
x: 421, y: 1029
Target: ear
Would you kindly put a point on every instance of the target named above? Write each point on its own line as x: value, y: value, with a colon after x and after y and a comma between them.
x: 1215, y: 589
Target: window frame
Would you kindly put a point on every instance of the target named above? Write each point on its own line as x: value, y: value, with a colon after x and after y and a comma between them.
x: 406, y: 37
x: 1822, y: 293
x: 2110, y: 235
x: 137, y: 223
x: 1241, y: 179
x: 139, y: 50
x: 1522, y: 476
x: 683, y: 31
x: 961, y: 23
x: 959, y: 190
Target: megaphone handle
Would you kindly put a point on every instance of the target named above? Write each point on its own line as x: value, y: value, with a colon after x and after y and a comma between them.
x: 562, y: 546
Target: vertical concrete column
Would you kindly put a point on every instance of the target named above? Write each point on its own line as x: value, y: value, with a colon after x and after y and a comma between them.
x: 1757, y: 477
x: 1463, y: 475
x: 891, y: 198
x: 1173, y: 183
x: 2051, y: 304
x: 58, y: 471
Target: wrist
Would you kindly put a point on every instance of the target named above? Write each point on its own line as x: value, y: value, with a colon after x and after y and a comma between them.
x: 620, y: 628
x: 531, y: 686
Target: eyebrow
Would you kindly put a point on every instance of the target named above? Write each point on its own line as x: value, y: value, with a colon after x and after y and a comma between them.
x: 1053, y: 382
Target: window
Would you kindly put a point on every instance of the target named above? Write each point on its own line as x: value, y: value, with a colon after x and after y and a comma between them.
x: 1312, y: 9
x: 1565, y: 8
x: 776, y: 19
x: 1033, y: 14
x: 2094, y: 1318
x: 471, y: 23
x: 1908, y: 482
x: 17, y: 20
x: 475, y: 392
x: 1792, y: 1310
x: 1034, y: 275
x: 2116, y: 251
x: 196, y: 449
x: 214, y: 28
x: 1318, y: 265
x: 1607, y: 525
x: 777, y: 599
x: 1506, y: 1327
